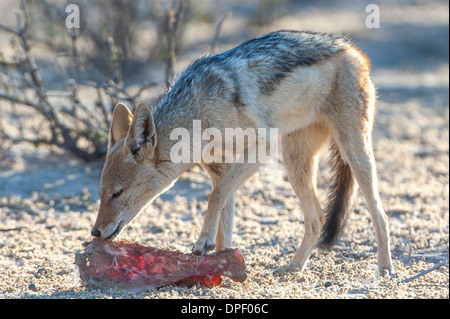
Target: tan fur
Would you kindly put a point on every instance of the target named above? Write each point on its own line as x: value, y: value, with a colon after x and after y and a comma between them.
x: 331, y: 99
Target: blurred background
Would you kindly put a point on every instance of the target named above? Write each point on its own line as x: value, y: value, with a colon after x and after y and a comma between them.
x: 62, y: 70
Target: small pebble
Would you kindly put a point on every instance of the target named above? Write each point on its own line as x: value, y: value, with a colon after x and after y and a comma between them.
x: 32, y: 287
x: 328, y: 284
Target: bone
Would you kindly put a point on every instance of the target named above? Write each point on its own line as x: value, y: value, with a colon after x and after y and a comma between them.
x: 135, y: 267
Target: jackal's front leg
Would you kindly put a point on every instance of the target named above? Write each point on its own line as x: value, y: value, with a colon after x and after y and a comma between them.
x: 238, y: 174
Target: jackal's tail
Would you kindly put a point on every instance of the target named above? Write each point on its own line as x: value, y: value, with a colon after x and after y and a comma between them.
x: 340, y: 199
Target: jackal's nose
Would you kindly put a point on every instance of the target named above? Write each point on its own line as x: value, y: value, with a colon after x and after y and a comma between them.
x: 95, y: 232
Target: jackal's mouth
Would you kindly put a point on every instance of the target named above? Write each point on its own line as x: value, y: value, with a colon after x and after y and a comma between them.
x: 116, y: 232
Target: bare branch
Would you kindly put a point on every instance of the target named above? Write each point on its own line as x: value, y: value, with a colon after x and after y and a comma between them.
x: 218, y: 30
x: 72, y: 124
x: 9, y: 30
x: 16, y: 99
x: 174, y: 17
x: 436, y: 266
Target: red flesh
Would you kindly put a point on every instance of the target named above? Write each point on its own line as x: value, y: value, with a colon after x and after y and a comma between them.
x: 131, y: 266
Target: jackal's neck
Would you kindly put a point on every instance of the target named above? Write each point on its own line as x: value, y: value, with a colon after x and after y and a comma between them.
x: 177, y: 109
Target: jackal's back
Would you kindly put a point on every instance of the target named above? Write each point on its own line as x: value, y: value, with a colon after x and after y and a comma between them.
x: 267, y: 60
x: 253, y: 71
x: 286, y: 50
x: 274, y: 56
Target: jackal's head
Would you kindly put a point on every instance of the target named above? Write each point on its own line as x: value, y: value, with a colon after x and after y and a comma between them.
x: 130, y: 179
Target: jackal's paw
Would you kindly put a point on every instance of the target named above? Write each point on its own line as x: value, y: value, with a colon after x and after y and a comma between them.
x: 203, y: 245
x: 387, y: 271
x: 285, y: 269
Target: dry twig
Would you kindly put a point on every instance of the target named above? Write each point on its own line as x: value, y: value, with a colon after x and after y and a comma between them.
x: 73, y: 125
x: 436, y: 266
x: 215, y: 41
x: 174, y: 18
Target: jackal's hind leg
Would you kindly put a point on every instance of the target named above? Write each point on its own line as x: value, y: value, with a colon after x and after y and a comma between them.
x: 301, y: 150
x: 355, y: 145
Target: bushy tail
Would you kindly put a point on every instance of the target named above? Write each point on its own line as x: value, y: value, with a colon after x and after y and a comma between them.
x: 340, y: 199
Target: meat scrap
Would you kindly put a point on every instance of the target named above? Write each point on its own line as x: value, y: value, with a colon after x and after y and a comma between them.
x: 131, y: 266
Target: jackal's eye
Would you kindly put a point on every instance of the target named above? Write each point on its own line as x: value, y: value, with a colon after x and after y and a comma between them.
x: 117, y: 194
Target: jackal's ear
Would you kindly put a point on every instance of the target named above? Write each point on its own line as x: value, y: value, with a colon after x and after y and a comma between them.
x: 142, y: 132
x: 120, y: 124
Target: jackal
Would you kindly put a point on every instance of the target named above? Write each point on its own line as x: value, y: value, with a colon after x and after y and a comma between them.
x: 314, y: 87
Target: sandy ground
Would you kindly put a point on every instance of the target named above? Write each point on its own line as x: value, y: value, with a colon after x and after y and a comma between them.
x: 49, y: 200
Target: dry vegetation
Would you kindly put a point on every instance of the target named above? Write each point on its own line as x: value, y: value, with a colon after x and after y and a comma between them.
x: 57, y: 88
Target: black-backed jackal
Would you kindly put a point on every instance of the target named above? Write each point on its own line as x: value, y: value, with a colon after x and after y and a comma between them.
x: 314, y: 87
